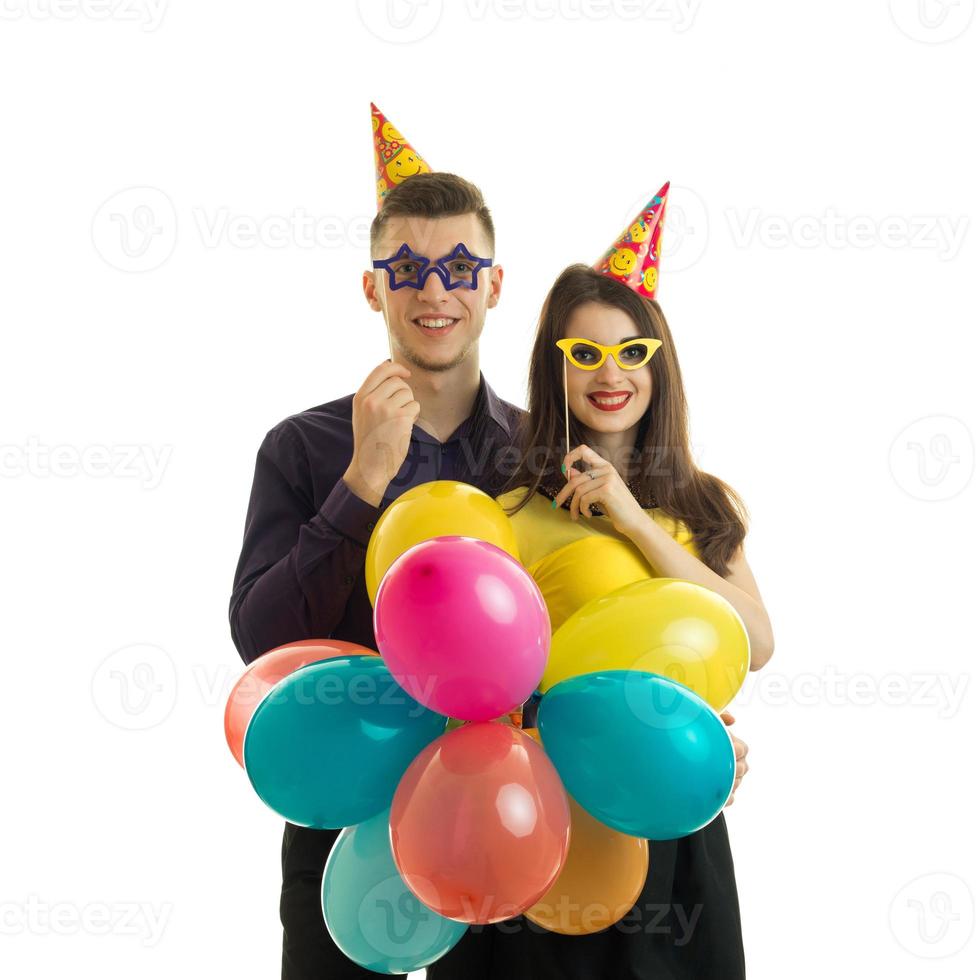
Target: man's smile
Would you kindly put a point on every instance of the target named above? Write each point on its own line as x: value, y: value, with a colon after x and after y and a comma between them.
x: 435, y: 324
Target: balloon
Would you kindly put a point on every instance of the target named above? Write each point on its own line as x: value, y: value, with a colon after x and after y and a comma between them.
x: 640, y: 752
x: 266, y: 671
x: 600, y: 881
x: 480, y: 823
x: 665, y: 626
x: 328, y: 744
x: 369, y: 911
x: 429, y: 510
x: 462, y: 627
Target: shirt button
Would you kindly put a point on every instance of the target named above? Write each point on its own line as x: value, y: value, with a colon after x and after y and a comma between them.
x: 370, y: 525
x: 348, y: 580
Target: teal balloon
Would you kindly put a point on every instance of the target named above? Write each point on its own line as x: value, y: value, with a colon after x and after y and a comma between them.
x: 328, y: 744
x: 641, y: 752
x: 369, y: 911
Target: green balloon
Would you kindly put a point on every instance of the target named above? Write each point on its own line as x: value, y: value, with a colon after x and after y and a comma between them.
x: 328, y: 744
x: 369, y: 911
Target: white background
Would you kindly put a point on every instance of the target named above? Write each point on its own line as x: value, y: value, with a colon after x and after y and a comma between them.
x: 819, y: 278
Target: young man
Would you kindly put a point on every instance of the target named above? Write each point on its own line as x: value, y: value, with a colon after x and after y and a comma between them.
x: 324, y: 477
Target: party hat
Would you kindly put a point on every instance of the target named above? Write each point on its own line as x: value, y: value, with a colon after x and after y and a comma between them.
x: 634, y: 258
x: 395, y: 159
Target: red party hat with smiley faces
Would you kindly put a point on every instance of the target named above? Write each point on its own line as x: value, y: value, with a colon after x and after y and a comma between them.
x: 395, y: 159
x: 634, y: 258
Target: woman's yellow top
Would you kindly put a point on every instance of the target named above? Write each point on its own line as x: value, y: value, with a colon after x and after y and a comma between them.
x: 574, y: 562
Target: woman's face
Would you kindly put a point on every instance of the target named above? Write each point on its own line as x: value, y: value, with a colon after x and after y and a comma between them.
x: 610, y: 399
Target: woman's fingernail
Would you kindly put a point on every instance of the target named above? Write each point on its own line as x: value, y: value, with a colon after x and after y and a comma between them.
x: 554, y: 503
x: 563, y: 467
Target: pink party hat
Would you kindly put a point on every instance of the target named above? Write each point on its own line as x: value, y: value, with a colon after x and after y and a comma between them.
x: 634, y: 258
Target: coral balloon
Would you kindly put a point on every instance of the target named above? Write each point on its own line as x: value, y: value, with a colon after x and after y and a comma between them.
x: 462, y: 627
x: 666, y: 626
x: 441, y: 507
x: 369, y: 911
x: 640, y: 752
x: 329, y: 743
x: 600, y: 881
x: 480, y: 823
x: 266, y: 671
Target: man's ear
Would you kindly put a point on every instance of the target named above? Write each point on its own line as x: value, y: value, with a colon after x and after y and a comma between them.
x: 369, y: 285
x: 496, y: 282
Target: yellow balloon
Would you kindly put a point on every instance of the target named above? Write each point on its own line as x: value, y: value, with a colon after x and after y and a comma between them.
x: 600, y: 881
x: 666, y: 626
x: 431, y: 510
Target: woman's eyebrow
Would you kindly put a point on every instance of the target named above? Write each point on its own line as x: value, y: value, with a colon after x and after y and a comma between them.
x: 637, y: 337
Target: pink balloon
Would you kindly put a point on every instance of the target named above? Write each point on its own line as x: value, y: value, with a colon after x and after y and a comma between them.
x: 265, y: 672
x: 462, y: 627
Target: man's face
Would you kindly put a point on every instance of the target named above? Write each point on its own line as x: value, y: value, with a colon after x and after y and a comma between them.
x: 433, y: 328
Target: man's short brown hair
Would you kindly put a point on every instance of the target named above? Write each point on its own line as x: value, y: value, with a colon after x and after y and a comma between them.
x: 432, y: 195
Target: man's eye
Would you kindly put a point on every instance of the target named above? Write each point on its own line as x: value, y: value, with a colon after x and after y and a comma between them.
x: 407, y: 269
x: 462, y: 269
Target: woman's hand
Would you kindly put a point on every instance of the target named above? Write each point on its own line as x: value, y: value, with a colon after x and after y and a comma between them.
x: 741, y: 751
x: 605, y: 487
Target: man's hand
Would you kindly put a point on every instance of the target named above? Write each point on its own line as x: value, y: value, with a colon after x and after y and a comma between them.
x: 741, y: 751
x: 384, y: 411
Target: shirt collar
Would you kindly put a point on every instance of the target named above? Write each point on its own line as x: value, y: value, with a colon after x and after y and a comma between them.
x: 487, y: 403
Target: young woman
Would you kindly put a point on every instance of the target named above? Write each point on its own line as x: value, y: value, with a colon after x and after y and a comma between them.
x: 606, y: 492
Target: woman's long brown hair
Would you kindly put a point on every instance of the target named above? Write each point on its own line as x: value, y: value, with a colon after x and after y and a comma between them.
x: 661, y: 472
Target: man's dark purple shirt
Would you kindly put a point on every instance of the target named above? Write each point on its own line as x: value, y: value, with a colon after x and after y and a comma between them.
x: 301, y: 570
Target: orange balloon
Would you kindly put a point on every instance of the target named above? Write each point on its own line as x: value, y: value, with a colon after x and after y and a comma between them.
x: 480, y: 823
x: 266, y: 671
x: 601, y: 880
